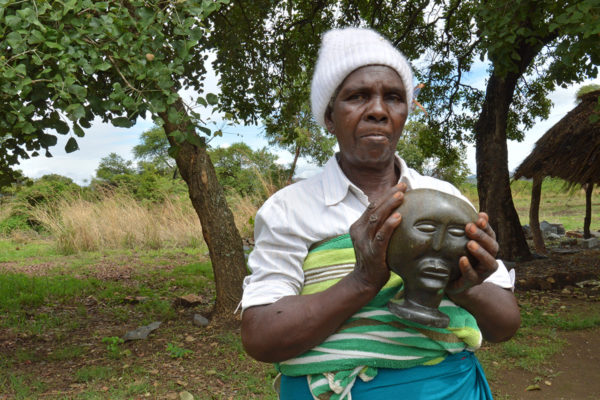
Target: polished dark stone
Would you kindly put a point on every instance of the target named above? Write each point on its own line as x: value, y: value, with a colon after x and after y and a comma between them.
x: 424, y: 250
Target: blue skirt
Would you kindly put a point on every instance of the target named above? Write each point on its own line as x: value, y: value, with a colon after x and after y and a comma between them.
x: 458, y: 377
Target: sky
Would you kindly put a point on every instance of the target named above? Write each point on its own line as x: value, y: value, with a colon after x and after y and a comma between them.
x: 102, y: 139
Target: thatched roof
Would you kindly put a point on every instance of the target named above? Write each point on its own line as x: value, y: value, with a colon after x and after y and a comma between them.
x: 570, y: 150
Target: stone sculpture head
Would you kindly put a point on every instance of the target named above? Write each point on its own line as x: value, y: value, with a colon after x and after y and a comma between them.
x: 424, y: 250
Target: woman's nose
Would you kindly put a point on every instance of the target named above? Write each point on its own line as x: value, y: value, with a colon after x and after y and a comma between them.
x: 376, y: 111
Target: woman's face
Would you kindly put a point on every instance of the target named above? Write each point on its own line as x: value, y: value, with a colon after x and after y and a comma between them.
x: 368, y: 116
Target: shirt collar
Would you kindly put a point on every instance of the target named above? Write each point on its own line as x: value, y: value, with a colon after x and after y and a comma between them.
x: 336, y: 185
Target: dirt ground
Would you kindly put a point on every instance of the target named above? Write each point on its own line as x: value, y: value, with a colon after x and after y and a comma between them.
x: 217, y: 371
x: 575, y: 371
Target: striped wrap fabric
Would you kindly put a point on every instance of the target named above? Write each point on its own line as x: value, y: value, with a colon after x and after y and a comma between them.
x: 373, y: 337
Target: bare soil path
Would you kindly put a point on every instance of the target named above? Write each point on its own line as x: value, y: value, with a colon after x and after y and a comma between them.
x: 574, y: 372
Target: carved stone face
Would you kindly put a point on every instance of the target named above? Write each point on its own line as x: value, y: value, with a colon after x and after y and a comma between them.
x: 424, y: 250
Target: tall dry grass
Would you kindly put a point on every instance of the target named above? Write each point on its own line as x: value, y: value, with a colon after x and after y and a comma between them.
x: 117, y: 220
x: 244, y: 208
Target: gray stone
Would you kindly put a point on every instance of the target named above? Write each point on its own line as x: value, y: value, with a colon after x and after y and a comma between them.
x: 548, y: 228
x: 186, y: 396
x: 200, y: 320
x: 552, y: 236
x: 527, y: 232
x: 589, y: 243
x: 142, y: 332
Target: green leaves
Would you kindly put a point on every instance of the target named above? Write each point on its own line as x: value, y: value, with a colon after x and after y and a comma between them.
x: 212, y: 99
x: 84, y: 59
x: 71, y: 145
x: 47, y: 140
x: 122, y: 122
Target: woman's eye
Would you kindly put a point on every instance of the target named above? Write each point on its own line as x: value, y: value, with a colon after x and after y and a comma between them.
x: 425, y: 227
x: 395, y: 98
x: 455, y: 231
x: 357, y: 96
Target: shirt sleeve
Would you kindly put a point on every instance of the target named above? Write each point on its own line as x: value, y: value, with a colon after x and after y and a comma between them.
x: 276, y: 261
x: 502, y: 277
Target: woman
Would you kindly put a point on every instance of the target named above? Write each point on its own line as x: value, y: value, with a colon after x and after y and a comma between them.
x: 315, y: 302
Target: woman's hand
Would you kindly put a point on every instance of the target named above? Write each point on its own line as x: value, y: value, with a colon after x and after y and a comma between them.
x: 494, y: 308
x: 483, y: 248
x: 371, y: 234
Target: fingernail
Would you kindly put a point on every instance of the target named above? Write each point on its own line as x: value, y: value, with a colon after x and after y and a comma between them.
x: 473, y: 229
x: 396, y: 215
x: 473, y: 246
x: 398, y: 195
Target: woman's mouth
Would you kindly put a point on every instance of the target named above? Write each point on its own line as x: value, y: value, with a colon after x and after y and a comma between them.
x: 377, y: 137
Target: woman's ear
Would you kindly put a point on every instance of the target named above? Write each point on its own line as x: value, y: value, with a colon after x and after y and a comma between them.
x: 328, y: 121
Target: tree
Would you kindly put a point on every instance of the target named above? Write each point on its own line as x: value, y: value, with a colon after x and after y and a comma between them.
x: 154, y: 148
x: 65, y: 63
x: 112, y: 165
x: 418, y: 150
x: 528, y: 46
x: 584, y: 90
x: 294, y: 129
x: 246, y: 171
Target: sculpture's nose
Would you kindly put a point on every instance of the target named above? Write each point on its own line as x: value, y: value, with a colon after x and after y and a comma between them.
x: 437, y: 241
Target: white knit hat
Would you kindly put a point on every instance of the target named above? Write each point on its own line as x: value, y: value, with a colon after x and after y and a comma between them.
x: 345, y: 50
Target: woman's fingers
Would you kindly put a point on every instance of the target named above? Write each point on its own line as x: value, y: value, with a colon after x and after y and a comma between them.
x: 484, y: 235
x: 378, y: 216
x: 486, y: 265
x: 371, y: 234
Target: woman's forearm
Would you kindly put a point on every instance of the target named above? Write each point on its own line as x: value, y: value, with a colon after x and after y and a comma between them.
x: 495, y: 309
x: 295, y: 324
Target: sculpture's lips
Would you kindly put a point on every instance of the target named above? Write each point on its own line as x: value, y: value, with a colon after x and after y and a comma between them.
x: 436, y: 270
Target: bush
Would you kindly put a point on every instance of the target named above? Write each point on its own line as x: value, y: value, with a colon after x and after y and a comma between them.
x: 13, y: 223
x: 44, y: 190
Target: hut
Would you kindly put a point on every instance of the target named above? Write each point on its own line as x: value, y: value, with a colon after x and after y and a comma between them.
x: 570, y: 150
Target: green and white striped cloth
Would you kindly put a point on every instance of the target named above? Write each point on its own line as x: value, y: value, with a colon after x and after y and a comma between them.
x: 373, y: 337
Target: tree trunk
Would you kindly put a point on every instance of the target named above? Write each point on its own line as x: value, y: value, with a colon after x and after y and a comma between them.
x: 218, y: 227
x: 534, y: 215
x: 587, y: 221
x: 493, y: 182
x: 293, y: 169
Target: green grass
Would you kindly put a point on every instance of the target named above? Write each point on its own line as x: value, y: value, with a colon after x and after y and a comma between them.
x: 52, y: 312
x: 537, y: 339
x: 22, y: 291
x: 69, y: 352
x: 24, y: 386
x: 94, y: 373
x: 11, y: 251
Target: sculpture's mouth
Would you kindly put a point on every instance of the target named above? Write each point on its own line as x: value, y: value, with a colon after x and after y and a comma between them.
x: 435, y: 269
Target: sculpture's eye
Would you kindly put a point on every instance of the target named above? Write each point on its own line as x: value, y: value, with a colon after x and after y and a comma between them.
x: 456, y: 231
x: 425, y: 227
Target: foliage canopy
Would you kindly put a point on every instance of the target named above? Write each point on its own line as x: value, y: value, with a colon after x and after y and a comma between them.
x: 528, y: 47
x: 64, y: 64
